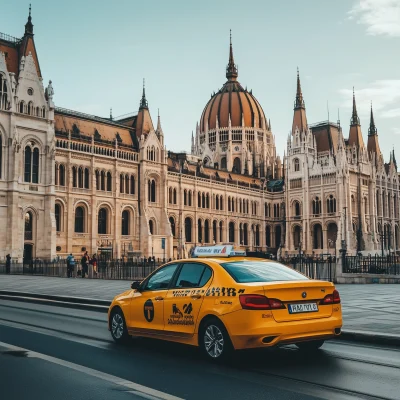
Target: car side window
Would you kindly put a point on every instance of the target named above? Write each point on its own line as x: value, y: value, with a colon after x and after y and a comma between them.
x: 160, y: 280
x: 193, y: 275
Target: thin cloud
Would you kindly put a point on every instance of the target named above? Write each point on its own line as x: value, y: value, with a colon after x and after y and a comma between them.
x: 393, y: 113
x: 381, y: 17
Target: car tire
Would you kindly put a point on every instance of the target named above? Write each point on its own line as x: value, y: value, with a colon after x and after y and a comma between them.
x: 118, y: 328
x: 214, y: 340
x: 310, y: 346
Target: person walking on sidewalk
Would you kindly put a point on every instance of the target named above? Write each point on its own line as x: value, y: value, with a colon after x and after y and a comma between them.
x: 8, y: 263
x: 94, y: 263
x: 84, y: 262
x: 70, y: 265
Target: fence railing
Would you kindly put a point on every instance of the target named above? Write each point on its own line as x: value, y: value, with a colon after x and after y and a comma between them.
x: 324, y: 270
x: 110, y: 269
x: 388, y: 265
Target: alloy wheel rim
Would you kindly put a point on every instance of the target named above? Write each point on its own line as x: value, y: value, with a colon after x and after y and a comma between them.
x: 117, y: 326
x: 213, y: 341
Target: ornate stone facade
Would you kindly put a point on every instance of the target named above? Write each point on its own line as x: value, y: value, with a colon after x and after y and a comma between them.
x: 71, y: 182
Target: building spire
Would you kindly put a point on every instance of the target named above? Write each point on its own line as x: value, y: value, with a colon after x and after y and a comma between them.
x: 231, y: 69
x: 159, y: 129
x: 372, y: 131
x: 143, y: 101
x: 111, y: 116
x: 354, y: 117
x: 299, y: 103
x: 29, y: 25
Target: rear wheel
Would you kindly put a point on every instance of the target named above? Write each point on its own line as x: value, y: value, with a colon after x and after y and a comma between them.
x: 310, y: 346
x: 214, y: 340
x: 118, y: 326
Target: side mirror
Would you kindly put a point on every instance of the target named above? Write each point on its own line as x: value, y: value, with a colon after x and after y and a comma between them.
x: 135, y: 285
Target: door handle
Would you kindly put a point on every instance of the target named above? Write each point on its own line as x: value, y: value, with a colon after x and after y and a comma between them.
x: 195, y: 296
x: 159, y: 298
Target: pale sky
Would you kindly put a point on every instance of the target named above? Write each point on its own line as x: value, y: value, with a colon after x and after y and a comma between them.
x: 97, y: 53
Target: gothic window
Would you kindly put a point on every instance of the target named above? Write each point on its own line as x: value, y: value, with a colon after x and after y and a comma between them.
x: 276, y: 210
x: 207, y: 200
x: 151, y: 186
x: 102, y: 221
x: 241, y: 234
x: 21, y: 107
x: 185, y: 197
x: 217, y: 203
x: 221, y: 231
x: 80, y: 177
x: 28, y: 235
x: 86, y: 178
x: 31, y: 165
x: 221, y: 203
x: 331, y: 204
x: 214, y: 228
x: 102, y: 180
x: 170, y: 195
x: 257, y: 236
x: 121, y: 184
x: 268, y: 236
x: 316, y: 204
x: 206, y: 231
x: 57, y: 214
x: 3, y: 93
x: 172, y: 223
x: 190, y: 198
x: 132, y: 184
x: 79, y: 219
x: 56, y: 174
x: 151, y: 227
x: 199, y: 231
x: 74, y: 177
x: 229, y: 204
x: 245, y: 235
x: 125, y: 222
x: 109, y: 182
x: 61, y: 175
x: 296, y: 163
x: 126, y: 184
x: 297, y: 208
x: 231, y: 232
x: 233, y: 205
x: 30, y: 108
x: 237, y: 166
x: 175, y: 196
x: 223, y: 163
x: 203, y: 200
x: 98, y: 180
x: 188, y: 229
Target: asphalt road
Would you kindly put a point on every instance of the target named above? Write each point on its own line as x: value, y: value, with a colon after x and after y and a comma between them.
x: 56, y: 353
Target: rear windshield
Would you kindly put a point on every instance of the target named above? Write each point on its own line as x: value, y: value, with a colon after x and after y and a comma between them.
x: 258, y: 271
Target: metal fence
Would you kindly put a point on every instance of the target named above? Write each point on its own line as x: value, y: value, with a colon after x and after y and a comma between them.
x: 110, y: 269
x: 314, y: 268
x: 388, y: 265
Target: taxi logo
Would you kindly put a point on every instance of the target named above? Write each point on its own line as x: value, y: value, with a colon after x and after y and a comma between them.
x: 148, y: 310
x: 223, y: 251
x: 304, y: 295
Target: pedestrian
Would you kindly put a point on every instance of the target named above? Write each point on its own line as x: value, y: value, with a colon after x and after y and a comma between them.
x: 8, y: 263
x: 84, y: 262
x: 94, y: 263
x: 70, y: 265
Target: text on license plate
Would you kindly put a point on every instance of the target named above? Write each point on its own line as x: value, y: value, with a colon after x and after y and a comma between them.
x: 303, y: 307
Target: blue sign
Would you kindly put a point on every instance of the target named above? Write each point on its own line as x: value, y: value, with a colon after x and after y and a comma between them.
x: 163, y: 243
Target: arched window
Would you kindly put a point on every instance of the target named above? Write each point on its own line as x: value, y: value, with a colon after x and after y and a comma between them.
x: 30, y: 108
x: 297, y: 209
x: 3, y: 93
x: 237, y: 168
x: 207, y: 200
x: 190, y: 198
x: 185, y: 197
x: 79, y: 220
x: 233, y: 205
x: 316, y: 206
x: 229, y: 204
x: 199, y: 231
x: 61, y: 175
x: 331, y: 204
x: 257, y: 236
x: 109, y: 182
x: 121, y: 184
x: 231, y: 232
x: 151, y: 227
x: 317, y: 237
x: 56, y: 174
x: 28, y: 164
x: 21, y: 107
x: 132, y: 184
x: 170, y: 195
x: 188, y: 229
x: 74, y: 177
x: 172, y: 223
x: 98, y: 179
x: 127, y: 184
x: 203, y: 200
x: 152, y: 191
x: 125, y: 222
x: 175, y: 196
x: 57, y: 214
x: 268, y: 236
x: 80, y: 177
x: 221, y: 203
x: 87, y: 185
x: 221, y: 231
x: 102, y: 180
x: 296, y: 164
x: 206, y: 231
x: 214, y: 232
x: 31, y: 165
x: 223, y: 163
x: 245, y: 235
x: 102, y: 221
x: 217, y: 203
x: 28, y: 234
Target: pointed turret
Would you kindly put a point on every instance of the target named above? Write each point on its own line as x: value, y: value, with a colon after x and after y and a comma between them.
x: 231, y: 69
x: 355, y: 135
x: 394, y: 160
x: 143, y: 101
x: 373, y: 144
x: 299, y: 117
x: 143, y: 123
x: 372, y: 128
x: 29, y: 25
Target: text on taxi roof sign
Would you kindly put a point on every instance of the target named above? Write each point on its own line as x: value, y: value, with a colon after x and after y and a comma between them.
x: 217, y: 251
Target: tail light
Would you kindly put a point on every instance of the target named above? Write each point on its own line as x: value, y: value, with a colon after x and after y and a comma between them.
x: 259, y: 302
x: 333, y: 298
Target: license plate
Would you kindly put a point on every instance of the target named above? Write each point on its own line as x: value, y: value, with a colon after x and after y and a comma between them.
x: 303, y: 307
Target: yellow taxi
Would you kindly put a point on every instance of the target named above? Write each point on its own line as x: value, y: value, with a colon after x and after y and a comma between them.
x: 221, y: 300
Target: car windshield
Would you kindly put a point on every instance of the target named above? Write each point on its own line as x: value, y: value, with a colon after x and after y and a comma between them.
x: 261, y: 271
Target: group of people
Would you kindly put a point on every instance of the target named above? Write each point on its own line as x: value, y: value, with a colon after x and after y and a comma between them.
x: 83, y: 266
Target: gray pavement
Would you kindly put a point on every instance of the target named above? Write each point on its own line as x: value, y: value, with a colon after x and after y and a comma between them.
x: 371, y: 309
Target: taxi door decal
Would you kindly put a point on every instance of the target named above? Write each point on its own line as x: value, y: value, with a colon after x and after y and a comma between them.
x: 177, y: 317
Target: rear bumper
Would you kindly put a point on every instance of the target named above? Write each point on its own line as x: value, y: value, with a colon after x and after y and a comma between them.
x: 273, y: 333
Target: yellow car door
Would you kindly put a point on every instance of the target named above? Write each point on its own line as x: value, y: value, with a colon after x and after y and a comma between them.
x: 147, y: 305
x: 185, y: 297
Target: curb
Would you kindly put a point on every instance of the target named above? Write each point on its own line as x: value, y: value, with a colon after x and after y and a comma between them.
x: 58, y: 301
x: 370, y: 337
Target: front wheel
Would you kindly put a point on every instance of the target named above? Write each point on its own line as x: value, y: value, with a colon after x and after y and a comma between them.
x: 214, y: 340
x: 310, y: 346
x: 118, y: 326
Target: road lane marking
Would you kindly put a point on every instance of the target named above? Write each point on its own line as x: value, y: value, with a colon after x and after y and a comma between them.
x: 133, y: 387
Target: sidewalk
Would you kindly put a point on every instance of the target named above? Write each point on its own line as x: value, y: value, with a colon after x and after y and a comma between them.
x: 369, y: 311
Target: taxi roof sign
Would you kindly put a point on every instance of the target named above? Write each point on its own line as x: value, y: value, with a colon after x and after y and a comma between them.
x: 217, y: 251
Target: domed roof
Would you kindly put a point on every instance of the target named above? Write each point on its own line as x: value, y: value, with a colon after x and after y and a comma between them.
x: 234, y: 101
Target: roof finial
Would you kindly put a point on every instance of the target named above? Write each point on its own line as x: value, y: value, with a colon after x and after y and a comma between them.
x: 372, y: 131
x: 299, y: 103
x: 143, y: 102
x: 111, y: 116
x: 338, y: 118
x: 231, y: 69
x: 354, y: 117
x: 29, y: 25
